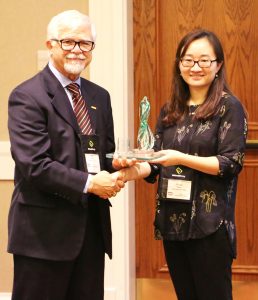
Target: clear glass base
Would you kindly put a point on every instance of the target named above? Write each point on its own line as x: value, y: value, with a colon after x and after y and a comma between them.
x: 139, y: 154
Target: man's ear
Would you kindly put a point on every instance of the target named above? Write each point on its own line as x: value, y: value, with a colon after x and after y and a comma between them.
x: 49, y: 45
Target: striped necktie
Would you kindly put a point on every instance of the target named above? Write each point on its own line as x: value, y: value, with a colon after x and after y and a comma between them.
x: 80, y: 109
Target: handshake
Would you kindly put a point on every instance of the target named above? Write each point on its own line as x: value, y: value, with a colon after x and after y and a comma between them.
x: 106, y: 185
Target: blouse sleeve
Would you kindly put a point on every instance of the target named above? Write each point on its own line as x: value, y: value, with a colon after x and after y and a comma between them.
x: 231, y: 138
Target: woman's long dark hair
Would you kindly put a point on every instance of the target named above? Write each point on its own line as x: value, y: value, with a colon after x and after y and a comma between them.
x: 177, y: 107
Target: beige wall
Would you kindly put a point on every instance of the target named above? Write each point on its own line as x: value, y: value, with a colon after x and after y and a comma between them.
x: 6, y: 266
x: 23, y: 33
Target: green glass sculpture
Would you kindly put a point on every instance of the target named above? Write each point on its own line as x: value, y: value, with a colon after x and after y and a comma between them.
x: 145, y: 138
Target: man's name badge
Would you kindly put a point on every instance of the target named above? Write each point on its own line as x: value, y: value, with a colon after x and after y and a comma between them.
x: 90, y: 149
x: 92, y: 162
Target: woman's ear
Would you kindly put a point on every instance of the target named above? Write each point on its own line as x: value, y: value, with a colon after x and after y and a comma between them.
x: 219, y: 66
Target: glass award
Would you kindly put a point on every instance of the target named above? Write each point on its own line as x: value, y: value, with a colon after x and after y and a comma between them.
x: 145, y: 138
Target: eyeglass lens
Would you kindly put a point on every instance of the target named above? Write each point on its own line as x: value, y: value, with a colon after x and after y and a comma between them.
x: 83, y: 45
x: 202, y: 63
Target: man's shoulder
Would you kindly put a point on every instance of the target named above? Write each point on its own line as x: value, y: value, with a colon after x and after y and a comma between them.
x: 28, y: 82
x: 41, y: 80
x: 89, y: 85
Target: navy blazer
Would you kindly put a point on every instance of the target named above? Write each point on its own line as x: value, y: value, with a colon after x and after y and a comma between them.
x: 48, y: 209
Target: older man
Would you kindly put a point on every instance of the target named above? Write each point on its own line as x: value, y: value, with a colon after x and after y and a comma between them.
x: 61, y: 128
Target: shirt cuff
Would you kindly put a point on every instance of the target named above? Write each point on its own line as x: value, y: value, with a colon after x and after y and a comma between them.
x: 85, y: 190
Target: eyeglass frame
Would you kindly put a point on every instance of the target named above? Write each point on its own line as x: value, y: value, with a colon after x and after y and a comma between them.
x: 197, y: 62
x: 75, y: 44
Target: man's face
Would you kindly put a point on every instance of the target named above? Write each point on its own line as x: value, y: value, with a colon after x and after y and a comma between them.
x: 71, y: 62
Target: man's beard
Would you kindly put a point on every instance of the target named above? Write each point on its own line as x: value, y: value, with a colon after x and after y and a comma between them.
x: 75, y: 67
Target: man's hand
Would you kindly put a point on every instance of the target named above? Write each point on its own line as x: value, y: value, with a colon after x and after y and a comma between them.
x: 105, y: 185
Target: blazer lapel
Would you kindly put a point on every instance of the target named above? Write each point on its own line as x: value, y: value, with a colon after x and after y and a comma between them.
x: 59, y: 98
x: 63, y: 107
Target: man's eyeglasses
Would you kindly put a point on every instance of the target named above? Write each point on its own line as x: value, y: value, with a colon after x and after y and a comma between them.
x: 68, y: 45
x: 202, y: 63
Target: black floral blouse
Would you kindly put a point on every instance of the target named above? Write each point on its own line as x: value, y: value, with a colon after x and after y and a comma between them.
x: 212, y: 200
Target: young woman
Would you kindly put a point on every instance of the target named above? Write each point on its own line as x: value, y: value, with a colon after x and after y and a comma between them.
x: 201, y: 133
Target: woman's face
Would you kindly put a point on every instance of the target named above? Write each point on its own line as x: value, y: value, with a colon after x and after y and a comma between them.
x: 195, y: 76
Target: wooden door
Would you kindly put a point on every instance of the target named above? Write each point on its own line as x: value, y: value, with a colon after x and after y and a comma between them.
x: 158, y: 27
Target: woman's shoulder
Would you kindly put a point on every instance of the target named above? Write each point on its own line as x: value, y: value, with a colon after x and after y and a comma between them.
x: 230, y: 99
x: 231, y: 102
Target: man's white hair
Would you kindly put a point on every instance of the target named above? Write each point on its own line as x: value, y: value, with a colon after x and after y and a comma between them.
x: 70, y: 19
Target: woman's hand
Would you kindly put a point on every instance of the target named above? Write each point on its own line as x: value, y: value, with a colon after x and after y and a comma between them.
x: 209, y: 165
x: 168, y: 158
x: 119, y: 163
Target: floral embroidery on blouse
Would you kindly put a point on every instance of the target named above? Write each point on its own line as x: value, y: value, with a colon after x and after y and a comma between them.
x: 209, y: 198
x: 178, y: 221
x: 203, y: 127
x: 223, y: 131
x: 222, y: 110
x: 239, y: 158
x: 231, y: 229
x: 230, y: 189
x: 157, y: 204
x: 182, y: 132
x: 193, y: 213
x: 158, y: 235
x: 245, y: 127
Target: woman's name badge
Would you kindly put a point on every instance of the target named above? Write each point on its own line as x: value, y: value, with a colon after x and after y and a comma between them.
x: 176, y: 185
x: 179, y: 189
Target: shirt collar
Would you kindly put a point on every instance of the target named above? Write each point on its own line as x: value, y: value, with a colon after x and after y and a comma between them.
x: 61, y: 78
